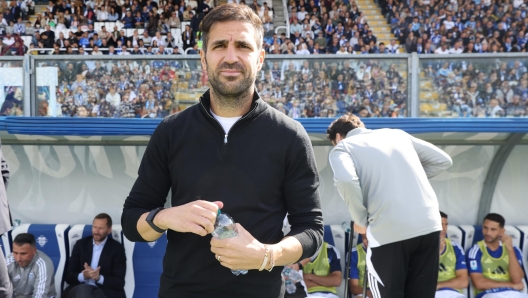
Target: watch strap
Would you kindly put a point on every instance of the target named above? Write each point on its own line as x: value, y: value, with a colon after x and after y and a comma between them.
x: 150, y: 220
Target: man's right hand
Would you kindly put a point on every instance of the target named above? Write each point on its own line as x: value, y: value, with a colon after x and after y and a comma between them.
x: 518, y: 286
x: 196, y: 217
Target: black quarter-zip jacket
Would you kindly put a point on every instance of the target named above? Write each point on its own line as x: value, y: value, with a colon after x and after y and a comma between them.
x: 263, y: 168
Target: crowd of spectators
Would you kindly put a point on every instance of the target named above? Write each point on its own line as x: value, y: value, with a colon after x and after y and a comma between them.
x: 422, y: 26
x: 157, y: 88
x: 480, y: 88
x: 108, y: 27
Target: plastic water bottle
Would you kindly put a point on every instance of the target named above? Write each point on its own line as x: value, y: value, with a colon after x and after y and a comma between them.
x: 291, y: 277
x: 346, y: 227
x: 224, y: 228
x: 16, y: 223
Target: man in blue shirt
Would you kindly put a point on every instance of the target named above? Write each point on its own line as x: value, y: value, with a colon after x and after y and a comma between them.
x: 97, y: 265
x: 452, y: 270
x: 495, y: 265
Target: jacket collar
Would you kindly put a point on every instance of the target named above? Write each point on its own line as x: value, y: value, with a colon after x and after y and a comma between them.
x: 257, y: 107
x: 357, y: 131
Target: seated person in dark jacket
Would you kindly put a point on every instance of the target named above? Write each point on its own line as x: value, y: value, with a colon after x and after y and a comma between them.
x: 98, y: 264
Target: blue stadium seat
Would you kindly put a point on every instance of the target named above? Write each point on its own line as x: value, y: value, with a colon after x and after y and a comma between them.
x: 52, y: 240
x: 144, y: 267
x: 455, y: 234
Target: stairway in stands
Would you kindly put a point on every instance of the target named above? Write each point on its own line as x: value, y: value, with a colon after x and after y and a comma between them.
x: 279, y: 19
x: 377, y: 22
x: 40, y: 8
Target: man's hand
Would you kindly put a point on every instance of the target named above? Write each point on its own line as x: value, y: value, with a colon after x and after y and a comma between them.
x: 242, y: 252
x: 294, y: 266
x: 518, y: 286
x: 359, y: 229
x: 90, y: 273
x: 506, y: 240
x: 196, y: 217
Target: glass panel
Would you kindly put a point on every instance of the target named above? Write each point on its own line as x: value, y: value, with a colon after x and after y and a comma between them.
x: 157, y: 88
x: 473, y: 87
x: 11, y: 88
x: 118, y: 88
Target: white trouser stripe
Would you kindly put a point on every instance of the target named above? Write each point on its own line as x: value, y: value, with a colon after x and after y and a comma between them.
x: 374, y: 286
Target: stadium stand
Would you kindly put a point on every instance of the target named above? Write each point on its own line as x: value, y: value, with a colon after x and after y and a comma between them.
x: 156, y: 88
x: 474, y: 88
x: 144, y: 267
x: 52, y: 240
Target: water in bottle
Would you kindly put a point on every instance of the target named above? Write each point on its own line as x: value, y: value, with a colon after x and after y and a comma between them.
x: 224, y: 228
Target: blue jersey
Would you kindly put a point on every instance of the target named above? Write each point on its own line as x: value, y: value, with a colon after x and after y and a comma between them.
x: 354, y: 271
x: 474, y: 257
x: 460, y: 261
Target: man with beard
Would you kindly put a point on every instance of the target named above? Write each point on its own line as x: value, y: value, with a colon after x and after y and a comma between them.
x: 495, y: 265
x: 97, y: 265
x: 208, y: 155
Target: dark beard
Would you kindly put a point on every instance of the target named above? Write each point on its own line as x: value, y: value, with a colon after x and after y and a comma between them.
x: 230, y: 98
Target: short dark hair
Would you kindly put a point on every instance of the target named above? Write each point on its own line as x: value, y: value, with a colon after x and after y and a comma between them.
x: 443, y: 215
x: 496, y: 218
x: 25, y: 238
x: 343, y: 125
x: 232, y: 12
x: 105, y: 216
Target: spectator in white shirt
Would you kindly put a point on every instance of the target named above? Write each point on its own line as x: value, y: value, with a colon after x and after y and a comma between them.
x: 113, y: 97
x: 442, y: 50
x: 457, y: 48
x: 96, y: 51
x: 301, y: 14
x: 449, y: 24
x: 147, y: 40
x: 8, y: 40
x: 393, y: 47
x: 159, y: 39
x: 342, y: 51
x: 124, y: 51
x: 303, y: 51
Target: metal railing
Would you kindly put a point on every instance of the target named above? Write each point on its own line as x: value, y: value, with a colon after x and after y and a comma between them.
x: 475, y: 85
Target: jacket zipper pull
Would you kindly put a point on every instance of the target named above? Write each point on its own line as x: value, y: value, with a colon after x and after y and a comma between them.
x: 225, y: 139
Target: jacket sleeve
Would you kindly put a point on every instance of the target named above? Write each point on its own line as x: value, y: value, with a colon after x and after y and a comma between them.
x: 152, y: 185
x: 44, y: 280
x: 73, y: 265
x: 116, y: 280
x: 347, y: 183
x: 433, y: 159
x: 301, y: 195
